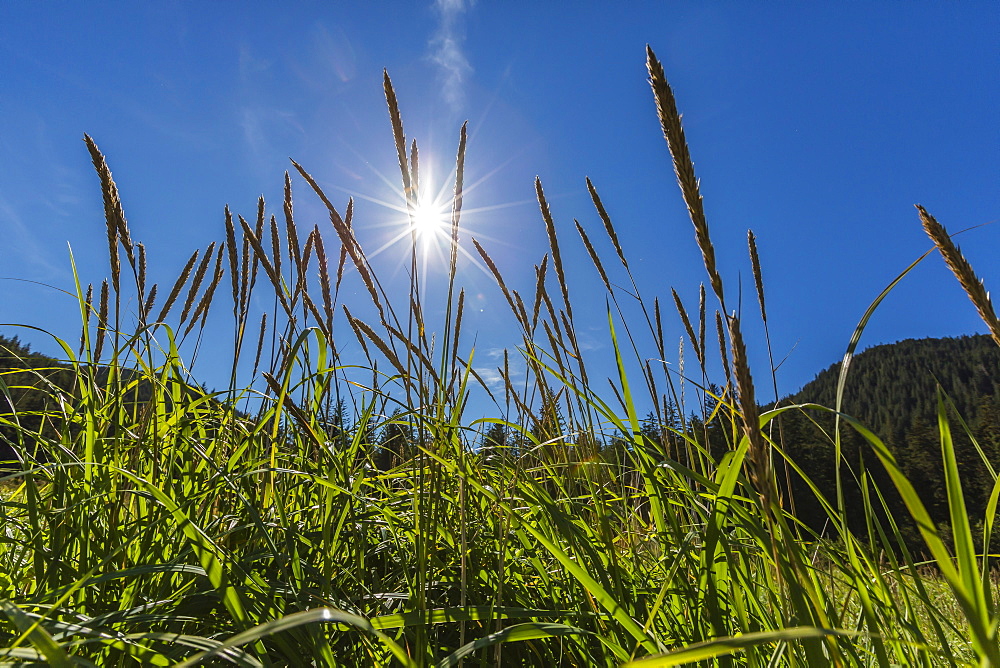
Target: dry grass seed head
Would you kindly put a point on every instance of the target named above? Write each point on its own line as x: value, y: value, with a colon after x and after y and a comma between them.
x: 347, y: 239
x: 348, y: 217
x: 456, y: 209
x: 758, y: 279
x: 397, y: 132
x: 199, y: 275
x: 364, y: 346
x: 275, y: 253
x: 499, y: 278
x: 758, y: 453
x: 178, y: 284
x: 554, y: 345
x: 148, y: 306
x: 320, y: 320
x: 113, y: 212
x: 88, y: 305
x: 206, y: 298
x: 687, y: 326
x: 269, y: 269
x: 701, y: 320
x: 549, y: 307
x: 606, y: 219
x: 660, y: 347
x: 570, y: 332
x: 479, y: 379
x: 231, y: 248
x: 721, y: 333
x: 963, y: 271
x: 593, y: 254
x: 505, y: 374
x: 417, y: 312
x: 141, y: 276
x: 302, y: 284
x: 324, y: 278
x: 458, y: 327
x: 522, y: 313
x: 673, y: 132
x: 361, y: 327
x: 539, y: 289
x: 246, y: 287
x: 414, y: 167
x: 116, y: 267
x: 291, y: 233
x: 550, y: 230
x: 414, y: 349
x: 102, y: 321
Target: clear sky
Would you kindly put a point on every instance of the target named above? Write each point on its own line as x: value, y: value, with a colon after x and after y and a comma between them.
x: 818, y: 125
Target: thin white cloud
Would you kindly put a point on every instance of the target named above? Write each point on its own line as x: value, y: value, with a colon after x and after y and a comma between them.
x: 495, y: 353
x: 264, y: 126
x: 23, y: 249
x: 491, y: 377
x: 447, y: 53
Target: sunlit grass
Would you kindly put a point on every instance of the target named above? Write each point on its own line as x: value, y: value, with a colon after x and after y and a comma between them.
x: 320, y: 511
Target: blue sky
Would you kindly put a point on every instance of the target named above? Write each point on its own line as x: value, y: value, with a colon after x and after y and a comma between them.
x: 818, y: 125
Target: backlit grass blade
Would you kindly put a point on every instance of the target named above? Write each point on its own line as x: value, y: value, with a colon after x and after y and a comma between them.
x: 318, y: 615
x: 596, y: 590
x: 983, y: 634
x: 467, y: 614
x: 233, y: 655
x: 40, y: 639
x: 720, y: 647
x: 516, y: 633
x: 208, y: 553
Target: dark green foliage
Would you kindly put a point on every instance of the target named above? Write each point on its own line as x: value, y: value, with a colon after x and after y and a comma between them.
x: 891, y: 389
x: 32, y: 383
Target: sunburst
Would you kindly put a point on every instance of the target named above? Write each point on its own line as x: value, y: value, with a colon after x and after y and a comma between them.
x: 430, y: 218
x: 426, y: 221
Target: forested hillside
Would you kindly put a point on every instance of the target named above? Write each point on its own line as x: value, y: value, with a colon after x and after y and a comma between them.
x: 39, y: 398
x: 892, y: 389
x: 27, y: 380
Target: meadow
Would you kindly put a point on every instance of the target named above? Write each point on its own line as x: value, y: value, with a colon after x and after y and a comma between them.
x: 324, y: 512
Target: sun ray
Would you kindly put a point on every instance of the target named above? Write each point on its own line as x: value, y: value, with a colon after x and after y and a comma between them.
x: 423, y: 225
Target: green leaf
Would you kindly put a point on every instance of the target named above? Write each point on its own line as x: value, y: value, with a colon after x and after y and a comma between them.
x: 518, y: 632
x: 37, y: 635
x: 317, y: 615
x: 711, y: 649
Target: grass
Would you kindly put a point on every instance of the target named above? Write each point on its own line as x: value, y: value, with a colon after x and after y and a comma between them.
x: 325, y: 513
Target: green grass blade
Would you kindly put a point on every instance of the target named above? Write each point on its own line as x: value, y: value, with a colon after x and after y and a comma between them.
x: 719, y: 647
x: 516, y: 633
x: 36, y: 635
x: 315, y: 616
x: 978, y: 614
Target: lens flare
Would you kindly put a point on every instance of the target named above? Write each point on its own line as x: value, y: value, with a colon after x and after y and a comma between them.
x: 429, y: 219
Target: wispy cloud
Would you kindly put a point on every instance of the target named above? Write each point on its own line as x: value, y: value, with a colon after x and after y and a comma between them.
x: 24, y: 249
x: 493, y: 376
x: 264, y: 125
x: 447, y: 53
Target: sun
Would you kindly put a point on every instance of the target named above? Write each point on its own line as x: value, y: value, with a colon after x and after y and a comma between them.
x: 429, y: 218
x: 423, y: 216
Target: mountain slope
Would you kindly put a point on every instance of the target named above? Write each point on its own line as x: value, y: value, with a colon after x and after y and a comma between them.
x: 892, y: 389
x: 891, y: 385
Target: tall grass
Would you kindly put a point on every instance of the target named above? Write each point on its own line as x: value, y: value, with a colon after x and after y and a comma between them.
x: 321, y: 512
